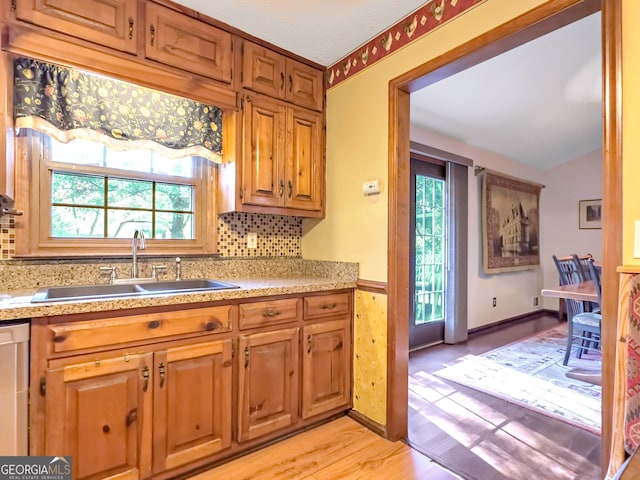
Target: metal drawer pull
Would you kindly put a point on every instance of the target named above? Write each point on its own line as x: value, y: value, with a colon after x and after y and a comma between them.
x: 145, y: 378
x: 271, y: 313
x: 328, y: 306
x: 152, y: 29
x: 162, y: 374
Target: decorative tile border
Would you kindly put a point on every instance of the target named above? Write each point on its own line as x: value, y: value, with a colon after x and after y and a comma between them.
x: 427, y: 18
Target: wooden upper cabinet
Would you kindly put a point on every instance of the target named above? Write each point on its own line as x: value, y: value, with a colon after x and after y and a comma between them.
x: 263, y: 70
x: 304, y: 85
x: 263, y: 152
x: 187, y: 43
x: 326, y: 367
x: 192, y: 403
x: 273, y: 74
x: 304, y: 170
x: 112, y: 23
x: 7, y: 143
x: 267, y: 382
x: 279, y: 173
x: 101, y: 406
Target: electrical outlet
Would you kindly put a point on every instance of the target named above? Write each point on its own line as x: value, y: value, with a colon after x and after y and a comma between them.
x: 252, y: 240
x: 535, y: 301
x: 494, y: 301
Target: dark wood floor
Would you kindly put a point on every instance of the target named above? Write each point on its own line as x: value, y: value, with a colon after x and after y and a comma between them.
x: 481, y: 437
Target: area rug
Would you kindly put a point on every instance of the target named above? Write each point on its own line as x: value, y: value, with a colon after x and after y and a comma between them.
x: 530, y: 373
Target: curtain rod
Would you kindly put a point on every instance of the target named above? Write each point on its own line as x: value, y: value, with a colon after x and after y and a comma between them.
x: 478, y: 170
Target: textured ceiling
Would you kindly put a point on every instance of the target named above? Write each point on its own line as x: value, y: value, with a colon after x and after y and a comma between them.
x: 321, y: 31
x: 539, y: 104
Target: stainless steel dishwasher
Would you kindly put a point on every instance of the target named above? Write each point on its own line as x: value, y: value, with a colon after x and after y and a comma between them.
x: 14, y: 384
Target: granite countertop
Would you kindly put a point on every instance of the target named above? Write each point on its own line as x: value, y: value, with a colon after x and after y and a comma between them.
x: 16, y: 304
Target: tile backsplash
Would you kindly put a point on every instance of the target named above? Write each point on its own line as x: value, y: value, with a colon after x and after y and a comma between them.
x: 7, y: 237
x: 278, y: 235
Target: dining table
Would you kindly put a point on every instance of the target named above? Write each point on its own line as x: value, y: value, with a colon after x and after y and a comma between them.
x: 582, y: 292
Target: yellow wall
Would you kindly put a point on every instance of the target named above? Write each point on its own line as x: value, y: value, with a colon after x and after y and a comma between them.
x: 630, y: 126
x: 369, y: 356
x: 355, y: 228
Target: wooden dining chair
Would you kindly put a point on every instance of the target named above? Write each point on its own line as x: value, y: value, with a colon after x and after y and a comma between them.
x: 583, y: 325
x: 585, y: 263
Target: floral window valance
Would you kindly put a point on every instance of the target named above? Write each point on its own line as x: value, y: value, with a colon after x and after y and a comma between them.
x: 67, y: 103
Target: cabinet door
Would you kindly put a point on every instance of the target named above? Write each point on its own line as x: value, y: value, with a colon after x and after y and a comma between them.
x: 111, y: 23
x: 187, y: 43
x: 7, y: 151
x: 263, y: 70
x: 192, y: 403
x: 305, y: 85
x: 98, y: 412
x: 326, y: 367
x: 305, y: 172
x: 267, y: 382
x: 263, y: 165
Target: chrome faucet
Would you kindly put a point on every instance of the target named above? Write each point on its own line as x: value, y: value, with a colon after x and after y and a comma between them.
x: 138, y: 242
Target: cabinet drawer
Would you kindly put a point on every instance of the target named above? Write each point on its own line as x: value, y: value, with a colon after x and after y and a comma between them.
x: 319, y: 306
x: 272, y: 312
x: 112, y: 331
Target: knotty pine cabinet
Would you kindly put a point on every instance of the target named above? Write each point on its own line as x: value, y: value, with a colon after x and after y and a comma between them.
x: 267, y: 382
x: 281, y: 170
x: 278, y: 76
x: 112, y: 23
x: 161, y: 392
x: 187, y: 43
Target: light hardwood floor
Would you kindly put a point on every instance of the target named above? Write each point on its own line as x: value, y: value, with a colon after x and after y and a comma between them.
x: 482, y: 437
x: 340, y: 449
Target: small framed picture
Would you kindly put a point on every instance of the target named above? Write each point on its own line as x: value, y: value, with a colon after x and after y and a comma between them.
x: 590, y: 214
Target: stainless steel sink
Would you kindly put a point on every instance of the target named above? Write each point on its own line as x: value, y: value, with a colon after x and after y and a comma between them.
x: 84, y: 292
x: 186, y: 285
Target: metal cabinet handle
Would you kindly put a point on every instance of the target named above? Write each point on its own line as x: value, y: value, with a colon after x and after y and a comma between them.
x: 290, y: 84
x: 130, y: 28
x: 132, y: 416
x: 152, y: 29
x: 145, y: 378
x: 271, y: 313
x: 246, y: 357
x: 281, y: 80
x: 328, y: 306
x: 290, y: 188
x: 281, y: 187
x: 163, y: 372
x: 309, y: 343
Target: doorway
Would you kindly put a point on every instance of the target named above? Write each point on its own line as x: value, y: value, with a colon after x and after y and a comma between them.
x: 532, y: 24
x: 429, y: 237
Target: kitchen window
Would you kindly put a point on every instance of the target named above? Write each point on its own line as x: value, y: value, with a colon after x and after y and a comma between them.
x: 102, y: 158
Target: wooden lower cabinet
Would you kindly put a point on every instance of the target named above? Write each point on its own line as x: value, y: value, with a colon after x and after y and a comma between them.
x: 96, y: 413
x: 128, y: 406
x: 267, y: 382
x: 326, y: 367
x: 192, y: 403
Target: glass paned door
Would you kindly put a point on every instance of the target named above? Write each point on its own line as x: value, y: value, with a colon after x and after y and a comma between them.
x: 429, y: 250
